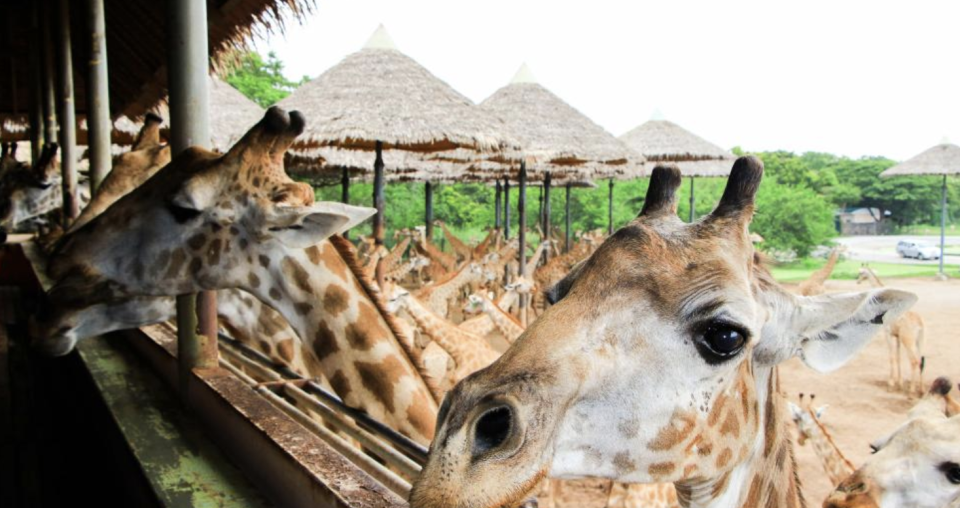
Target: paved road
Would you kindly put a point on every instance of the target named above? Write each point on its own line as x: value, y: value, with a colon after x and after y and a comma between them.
x: 884, y: 248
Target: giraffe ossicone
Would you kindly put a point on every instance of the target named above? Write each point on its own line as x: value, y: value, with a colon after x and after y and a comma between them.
x: 656, y: 363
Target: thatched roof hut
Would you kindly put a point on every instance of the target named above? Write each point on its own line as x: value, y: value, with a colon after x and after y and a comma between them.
x: 942, y: 159
x: 136, y: 46
x: 555, y: 137
x: 380, y: 94
x: 664, y: 141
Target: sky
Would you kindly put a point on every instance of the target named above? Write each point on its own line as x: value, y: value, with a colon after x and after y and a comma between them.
x: 854, y: 78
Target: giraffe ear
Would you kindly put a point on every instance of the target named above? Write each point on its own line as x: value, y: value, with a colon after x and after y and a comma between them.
x: 828, y: 330
x: 795, y: 411
x: 302, y: 226
x: 820, y: 410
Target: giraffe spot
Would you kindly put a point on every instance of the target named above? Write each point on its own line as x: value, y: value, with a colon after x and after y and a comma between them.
x: 781, y: 456
x: 313, y: 253
x: 275, y: 294
x: 264, y: 346
x: 176, y: 263
x: 285, y: 350
x: 162, y: 260
x: 303, y: 308
x: 658, y: 469
x: 256, y: 181
x: 264, y: 261
x: 422, y: 416
x: 335, y: 300
x: 253, y: 280
x: 269, y: 321
x: 234, y: 231
x: 213, y: 252
x: 195, y: 266
x: 197, y: 241
x: 215, y: 227
x: 381, y: 378
x: 770, y: 426
x: 624, y: 465
x: 325, y: 342
x: 364, y: 332
x: 689, y: 470
x: 674, y: 432
x: 244, y: 243
x: 716, y: 410
x: 724, y: 457
x: 292, y: 270
x: 753, y: 495
x: 772, y: 493
x: 731, y: 425
x: 628, y: 428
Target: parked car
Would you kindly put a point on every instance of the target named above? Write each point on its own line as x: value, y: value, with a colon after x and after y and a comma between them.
x: 919, y: 250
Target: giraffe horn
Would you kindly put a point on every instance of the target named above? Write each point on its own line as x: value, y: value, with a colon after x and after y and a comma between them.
x: 149, y: 134
x: 662, y: 194
x: 272, y: 134
x: 741, y: 189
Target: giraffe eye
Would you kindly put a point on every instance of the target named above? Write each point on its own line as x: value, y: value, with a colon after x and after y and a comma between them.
x: 720, y: 341
x: 952, y: 471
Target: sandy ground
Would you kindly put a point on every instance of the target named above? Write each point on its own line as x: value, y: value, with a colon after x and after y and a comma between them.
x: 861, y: 409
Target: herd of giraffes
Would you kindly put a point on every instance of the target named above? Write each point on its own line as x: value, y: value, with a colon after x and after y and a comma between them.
x: 648, y: 358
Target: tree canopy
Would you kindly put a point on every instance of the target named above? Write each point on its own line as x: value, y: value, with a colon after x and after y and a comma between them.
x: 262, y: 81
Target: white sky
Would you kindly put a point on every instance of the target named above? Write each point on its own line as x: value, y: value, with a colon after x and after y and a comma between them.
x: 848, y: 77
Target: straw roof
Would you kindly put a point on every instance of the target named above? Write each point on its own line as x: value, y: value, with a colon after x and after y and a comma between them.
x: 136, y: 45
x: 942, y: 159
x: 555, y: 136
x: 664, y: 141
x: 380, y: 94
x: 328, y: 162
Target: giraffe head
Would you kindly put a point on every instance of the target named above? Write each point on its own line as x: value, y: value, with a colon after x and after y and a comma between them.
x: 654, y: 363
x: 805, y: 417
x: 29, y: 192
x: 864, y: 274
x: 200, y: 223
x: 476, y: 302
x: 918, y: 465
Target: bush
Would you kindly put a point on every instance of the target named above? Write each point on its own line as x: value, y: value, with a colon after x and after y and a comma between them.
x: 792, y: 218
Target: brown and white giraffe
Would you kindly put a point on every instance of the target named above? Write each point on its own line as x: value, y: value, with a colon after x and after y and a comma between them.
x: 29, y: 193
x: 509, y: 326
x: 463, y: 251
x: 810, y: 428
x: 438, y: 258
x: 656, y: 363
x: 482, y: 325
x: 437, y: 296
x: 814, y: 285
x: 206, y: 222
x: 916, y: 466
x: 904, y: 334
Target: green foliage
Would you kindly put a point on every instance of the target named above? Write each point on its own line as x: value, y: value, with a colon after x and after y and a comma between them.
x: 262, y: 81
x: 792, y: 218
x: 802, y: 269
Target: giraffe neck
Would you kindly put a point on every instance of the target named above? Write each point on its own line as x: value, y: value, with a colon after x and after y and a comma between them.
x: 481, y: 249
x: 874, y: 279
x: 821, y: 275
x: 401, y: 271
x: 323, y: 295
x: 391, y: 259
x: 444, y: 290
x: 508, y: 325
x: 834, y: 462
x: 468, y: 351
x: 767, y: 478
x: 531, y: 265
x: 458, y: 246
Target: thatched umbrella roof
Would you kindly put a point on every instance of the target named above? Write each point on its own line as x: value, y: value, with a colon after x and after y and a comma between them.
x: 380, y: 94
x: 664, y: 141
x: 327, y: 162
x: 942, y: 159
x: 555, y: 136
x: 136, y: 44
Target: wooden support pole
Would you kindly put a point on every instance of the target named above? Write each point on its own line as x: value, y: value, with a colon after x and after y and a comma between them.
x: 498, y: 197
x: 546, y: 215
x: 188, y: 61
x: 379, y: 198
x: 67, y: 115
x: 566, y: 214
x: 48, y: 73
x: 345, y: 192
x: 943, y: 223
x: 36, y: 89
x: 522, y: 236
x: 428, y: 210
x: 98, y: 97
x: 693, y: 203
x: 610, y: 209
x: 506, y: 208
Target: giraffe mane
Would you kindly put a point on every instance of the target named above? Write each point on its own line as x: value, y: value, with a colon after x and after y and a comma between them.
x: 349, y: 255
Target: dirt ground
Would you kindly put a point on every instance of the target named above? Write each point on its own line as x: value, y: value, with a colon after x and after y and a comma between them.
x: 861, y: 408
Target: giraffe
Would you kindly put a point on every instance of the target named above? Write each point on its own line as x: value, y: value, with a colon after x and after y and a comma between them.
x: 438, y: 258
x: 27, y: 193
x: 918, y: 465
x: 469, y: 352
x: 207, y: 222
x: 437, y: 295
x: 811, y: 429
x: 391, y: 259
x: 657, y: 362
x: 482, y: 248
x: 906, y: 334
x: 656, y: 495
x: 413, y: 265
x: 464, y: 251
x: 130, y: 169
x: 483, y: 325
x: 8, y: 159
x: 508, y: 325
x: 814, y: 285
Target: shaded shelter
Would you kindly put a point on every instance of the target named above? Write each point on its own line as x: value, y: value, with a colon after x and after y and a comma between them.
x: 941, y: 160
x: 380, y: 99
x: 661, y: 140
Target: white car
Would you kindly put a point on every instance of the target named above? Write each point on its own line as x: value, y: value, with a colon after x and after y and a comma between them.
x: 911, y: 249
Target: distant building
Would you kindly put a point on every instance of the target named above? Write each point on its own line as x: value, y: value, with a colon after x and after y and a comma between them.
x: 860, y: 221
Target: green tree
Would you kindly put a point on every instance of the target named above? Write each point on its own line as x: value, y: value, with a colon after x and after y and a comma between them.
x: 792, y: 218
x: 262, y: 81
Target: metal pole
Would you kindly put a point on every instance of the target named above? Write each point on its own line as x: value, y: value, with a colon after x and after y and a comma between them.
x: 693, y: 207
x: 98, y: 97
x: 68, y: 119
x: 48, y: 72
x: 522, y: 233
x: 497, y: 204
x: 36, y: 90
x: 943, y: 222
x: 506, y: 208
x: 428, y: 209
x: 187, y: 66
x: 379, y: 200
x: 345, y: 192
x: 566, y: 212
x: 610, y: 209
x: 546, y: 215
